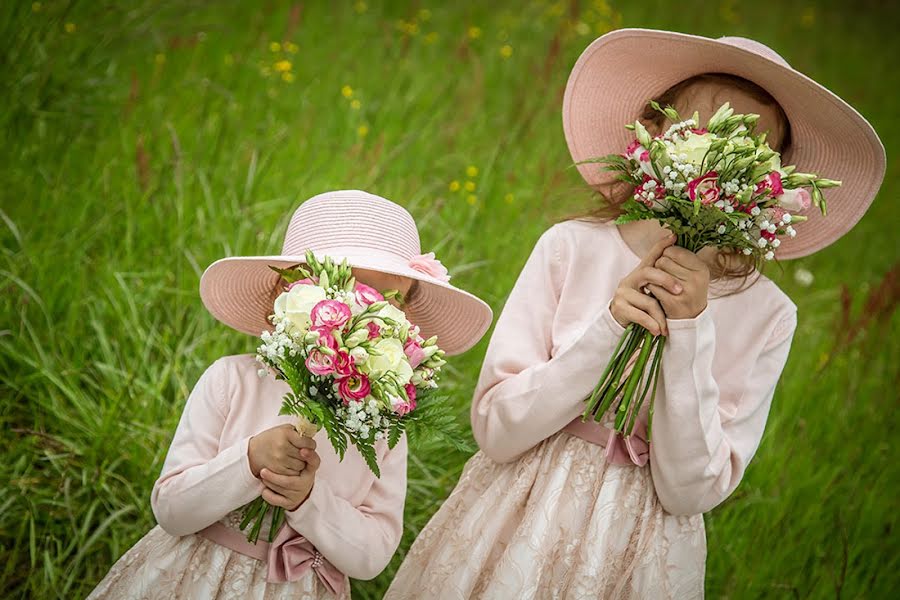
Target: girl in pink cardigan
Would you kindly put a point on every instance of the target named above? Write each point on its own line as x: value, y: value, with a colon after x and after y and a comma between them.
x: 556, y: 508
x: 231, y: 445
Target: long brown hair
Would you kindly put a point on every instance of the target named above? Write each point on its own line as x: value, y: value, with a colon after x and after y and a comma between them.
x: 609, y: 197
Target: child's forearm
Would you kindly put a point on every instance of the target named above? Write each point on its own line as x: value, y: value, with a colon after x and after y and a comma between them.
x: 523, y: 409
x: 192, y: 497
x: 699, y: 450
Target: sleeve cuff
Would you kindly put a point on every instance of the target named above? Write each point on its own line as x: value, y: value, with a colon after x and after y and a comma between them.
x: 695, y: 323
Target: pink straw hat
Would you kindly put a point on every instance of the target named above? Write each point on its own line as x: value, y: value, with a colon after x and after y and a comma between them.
x: 619, y: 72
x: 371, y: 233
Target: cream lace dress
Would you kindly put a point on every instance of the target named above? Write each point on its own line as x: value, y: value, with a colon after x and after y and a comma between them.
x: 540, y: 512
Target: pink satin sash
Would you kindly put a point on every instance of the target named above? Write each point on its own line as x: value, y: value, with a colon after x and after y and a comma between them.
x: 620, y: 450
x: 289, y: 557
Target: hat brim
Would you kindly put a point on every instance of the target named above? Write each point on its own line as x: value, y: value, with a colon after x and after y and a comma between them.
x: 240, y: 292
x: 619, y: 72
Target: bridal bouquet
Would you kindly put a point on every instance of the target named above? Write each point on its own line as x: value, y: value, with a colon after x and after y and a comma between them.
x: 720, y: 186
x: 355, y: 366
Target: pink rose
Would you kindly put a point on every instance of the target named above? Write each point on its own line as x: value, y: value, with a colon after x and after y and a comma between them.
x: 330, y: 313
x: 414, y: 352
x: 320, y: 363
x: 343, y: 364
x: 795, y: 200
x: 705, y: 188
x: 429, y: 265
x: 306, y: 281
x: 366, y: 295
x: 374, y: 330
x: 354, y: 387
x: 771, y: 182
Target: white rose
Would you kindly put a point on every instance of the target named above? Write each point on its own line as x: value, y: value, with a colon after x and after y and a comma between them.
x: 695, y: 147
x: 359, y: 355
x: 295, y: 305
x: 387, y: 356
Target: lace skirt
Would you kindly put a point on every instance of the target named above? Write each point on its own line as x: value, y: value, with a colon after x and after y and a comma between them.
x: 165, y: 567
x: 559, y: 522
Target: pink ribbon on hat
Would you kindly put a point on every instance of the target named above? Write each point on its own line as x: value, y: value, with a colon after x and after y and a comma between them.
x: 289, y: 557
x: 429, y: 265
x: 620, y: 450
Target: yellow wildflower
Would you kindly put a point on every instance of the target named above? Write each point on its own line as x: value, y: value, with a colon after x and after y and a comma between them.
x: 362, y: 131
x: 431, y: 37
x: 275, y: 47
x: 360, y: 7
x: 283, y: 66
x: 506, y: 51
x: 291, y: 47
x: 287, y: 77
x: 454, y: 186
x: 472, y: 171
x: 347, y: 91
x: 474, y: 32
x: 70, y: 27
x: 424, y: 14
x: 355, y: 104
x: 470, y: 186
x: 472, y: 199
x: 160, y: 58
x: 36, y: 6
x: 509, y: 198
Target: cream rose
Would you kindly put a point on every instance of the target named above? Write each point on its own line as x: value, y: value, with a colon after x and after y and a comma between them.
x: 695, y: 147
x: 388, y: 355
x: 295, y: 305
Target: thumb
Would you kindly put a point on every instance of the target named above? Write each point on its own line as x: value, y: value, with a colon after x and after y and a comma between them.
x: 657, y: 250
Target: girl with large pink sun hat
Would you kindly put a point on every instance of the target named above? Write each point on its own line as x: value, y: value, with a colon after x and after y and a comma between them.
x: 554, y: 507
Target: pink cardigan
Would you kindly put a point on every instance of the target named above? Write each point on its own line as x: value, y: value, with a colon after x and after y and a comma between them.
x: 556, y: 335
x: 353, y: 518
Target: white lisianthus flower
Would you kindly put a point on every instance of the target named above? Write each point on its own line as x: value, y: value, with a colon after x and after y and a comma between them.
x: 388, y: 355
x: 359, y: 355
x: 392, y: 312
x: 295, y: 305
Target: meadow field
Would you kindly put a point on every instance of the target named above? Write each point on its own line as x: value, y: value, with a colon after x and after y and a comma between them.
x: 140, y: 141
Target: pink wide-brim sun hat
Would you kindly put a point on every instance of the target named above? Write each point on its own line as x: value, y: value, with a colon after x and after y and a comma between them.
x: 369, y: 232
x: 617, y: 75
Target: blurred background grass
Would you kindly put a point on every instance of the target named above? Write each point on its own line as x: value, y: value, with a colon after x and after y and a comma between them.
x: 143, y: 140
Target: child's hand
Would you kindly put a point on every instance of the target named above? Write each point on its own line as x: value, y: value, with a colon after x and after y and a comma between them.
x: 278, y: 450
x: 289, y: 491
x: 631, y: 305
x: 692, y: 273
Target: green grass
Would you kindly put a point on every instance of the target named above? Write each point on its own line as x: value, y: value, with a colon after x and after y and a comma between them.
x: 149, y: 142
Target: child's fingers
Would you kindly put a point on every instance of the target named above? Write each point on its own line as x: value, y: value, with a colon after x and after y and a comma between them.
x: 276, y: 499
x: 312, y: 459
x: 299, y: 441
x: 673, y: 268
x: 646, y: 275
x: 657, y: 250
x: 651, y: 306
x: 282, y: 482
x: 632, y: 314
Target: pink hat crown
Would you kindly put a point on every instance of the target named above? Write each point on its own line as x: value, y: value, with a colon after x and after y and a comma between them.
x: 351, y: 219
x: 754, y: 47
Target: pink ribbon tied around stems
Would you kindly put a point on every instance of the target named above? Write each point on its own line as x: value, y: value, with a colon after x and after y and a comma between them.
x: 620, y: 450
x: 291, y: 556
